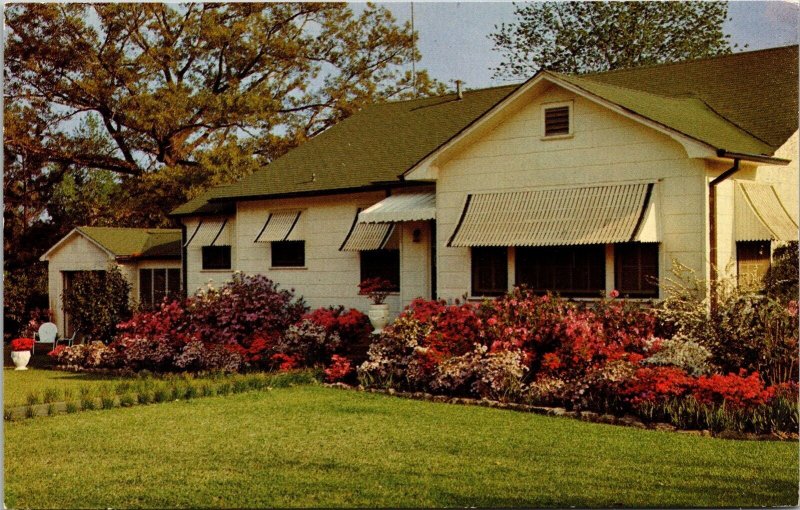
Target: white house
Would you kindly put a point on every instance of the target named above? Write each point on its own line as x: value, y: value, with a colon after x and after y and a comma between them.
x: 574, y: 184
x: 150, y: 259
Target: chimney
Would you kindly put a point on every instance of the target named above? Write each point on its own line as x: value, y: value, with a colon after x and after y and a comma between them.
x: 458, y: 90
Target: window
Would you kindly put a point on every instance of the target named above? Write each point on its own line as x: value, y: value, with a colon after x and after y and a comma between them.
x: 216, y: 257
x: 156, y: 284
x: 752, y: 262
x: 288, y: 253
x: 557, y: 120
x: 571, y: 271
x: 636, y: 269
x: 381, y: 264
x: 489, y: 271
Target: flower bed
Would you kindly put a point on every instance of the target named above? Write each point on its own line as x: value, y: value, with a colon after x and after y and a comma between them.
x: 601, y: 357
x: 248, y: 323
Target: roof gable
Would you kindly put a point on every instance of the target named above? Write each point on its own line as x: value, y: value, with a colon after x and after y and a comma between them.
x: 740, y: 103
x: 756, y: 90
x: 128, y: 242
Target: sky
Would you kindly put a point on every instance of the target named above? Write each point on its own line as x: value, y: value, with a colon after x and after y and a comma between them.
x: 454, y: 44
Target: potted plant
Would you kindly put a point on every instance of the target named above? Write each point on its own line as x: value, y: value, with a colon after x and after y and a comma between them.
x: 21, y: 352
x: 377, y: 289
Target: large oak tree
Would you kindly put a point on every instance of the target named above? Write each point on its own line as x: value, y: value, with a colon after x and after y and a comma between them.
x: 168, y: 81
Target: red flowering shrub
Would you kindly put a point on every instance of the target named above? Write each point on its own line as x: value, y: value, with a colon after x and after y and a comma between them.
x: 657, y: 384
x: 55, y: 353
x: 22, y: 344
x: 339, y: 368
x: 169, y: 322
x: 376, y: 289
x: 285, y: 362
x: 734, y: 390
x: 352, y: 326
x: 454, y: 329
x: 246, y: 304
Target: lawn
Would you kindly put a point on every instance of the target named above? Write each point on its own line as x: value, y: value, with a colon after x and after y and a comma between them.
x: 18, y: 384
x: 314, y: 446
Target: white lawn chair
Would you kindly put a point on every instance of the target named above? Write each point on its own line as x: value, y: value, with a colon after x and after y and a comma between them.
x: 70, y: 340
x: 46, y: 335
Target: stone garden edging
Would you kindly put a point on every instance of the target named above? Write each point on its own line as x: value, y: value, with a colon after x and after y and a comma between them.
x: 590, y: 416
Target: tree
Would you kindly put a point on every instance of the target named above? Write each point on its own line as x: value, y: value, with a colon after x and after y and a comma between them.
x: 204, y: 93
x: 578, y: 37
x: 165, y: 82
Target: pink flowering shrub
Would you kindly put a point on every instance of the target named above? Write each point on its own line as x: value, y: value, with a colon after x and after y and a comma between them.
x: 306, y: 343
x: 196, y: 356
x: 601, y: 356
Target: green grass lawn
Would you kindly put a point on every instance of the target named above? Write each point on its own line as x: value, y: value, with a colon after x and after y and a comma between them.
x: 18, y: 384
x: 314, y: 446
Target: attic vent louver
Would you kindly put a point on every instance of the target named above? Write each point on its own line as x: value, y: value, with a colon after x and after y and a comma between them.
x: 556, y: 121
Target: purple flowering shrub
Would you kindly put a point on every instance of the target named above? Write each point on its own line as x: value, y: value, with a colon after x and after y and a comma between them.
x: 241, y: 307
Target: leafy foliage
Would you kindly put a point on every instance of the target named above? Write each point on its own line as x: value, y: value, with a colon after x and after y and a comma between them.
x: 759, y: 334
x: 196, y: 89
x: 780, y: 282
x: 96, y: 301
x: 601, y: 36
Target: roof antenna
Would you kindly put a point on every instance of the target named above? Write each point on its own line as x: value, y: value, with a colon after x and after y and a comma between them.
x: 459, y: 93
x: 413, y: 53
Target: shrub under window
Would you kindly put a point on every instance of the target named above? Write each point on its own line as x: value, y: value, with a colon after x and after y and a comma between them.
x: 216, y: 257
x: 489, y: 271
x: 384, y: 264
x: 573, y: 271
x: 288, y: 253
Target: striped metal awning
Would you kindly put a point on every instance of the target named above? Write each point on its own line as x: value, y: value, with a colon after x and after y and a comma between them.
x: 280, y: 226
x: 611, y: 213
x: 401, y: 207
x: 211, y: 232
x: 759, y: 214
x: 369, y: 236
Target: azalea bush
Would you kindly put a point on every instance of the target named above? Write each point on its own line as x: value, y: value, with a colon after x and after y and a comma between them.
x: 604, y: 356
x: 237, y: 309
x: 376, y: 289
x: 351, y: 326
x: 248, y: 323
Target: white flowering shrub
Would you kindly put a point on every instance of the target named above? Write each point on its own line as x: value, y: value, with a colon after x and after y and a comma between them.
x: 682, y: 352
x: 492, y: 375
x: 394, y: 358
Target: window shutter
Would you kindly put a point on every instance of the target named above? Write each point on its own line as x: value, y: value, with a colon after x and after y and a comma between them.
x: 556, y: 121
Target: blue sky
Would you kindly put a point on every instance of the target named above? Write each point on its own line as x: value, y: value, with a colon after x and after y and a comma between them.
x: 454, y: 44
